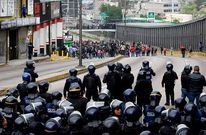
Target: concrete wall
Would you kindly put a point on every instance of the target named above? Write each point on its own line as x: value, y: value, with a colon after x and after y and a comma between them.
x: 22, y: 45
x: 3, y: 44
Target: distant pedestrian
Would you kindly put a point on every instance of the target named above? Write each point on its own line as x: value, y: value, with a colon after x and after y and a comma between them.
x: 168, y: 81
x: 171, y: 50
x: 200, y: 46
x: 196, y: 83
x: 190, y: 51
x: 30, y: 50
x: 161, y: 50
x: 183, y: 50
x: 165, y: 51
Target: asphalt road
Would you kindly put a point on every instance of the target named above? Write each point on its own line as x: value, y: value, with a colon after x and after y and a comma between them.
x: 11, y: 75
x: 158, y: 63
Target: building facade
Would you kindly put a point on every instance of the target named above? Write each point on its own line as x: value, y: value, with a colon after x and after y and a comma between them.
x: 161, y: 6
x: 48, y: 34
x: 16, y: 21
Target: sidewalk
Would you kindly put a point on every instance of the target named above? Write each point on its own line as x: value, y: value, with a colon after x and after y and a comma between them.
x: 51, y: 71
x: 18, y: 62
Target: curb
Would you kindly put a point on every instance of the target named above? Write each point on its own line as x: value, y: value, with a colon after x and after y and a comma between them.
x: 36, y: 61
x: 3, y: 91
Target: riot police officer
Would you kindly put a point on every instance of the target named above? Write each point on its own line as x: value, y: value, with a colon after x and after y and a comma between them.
x: 30, y: 68
x: 43, y: 88
x: 149, y: 110
x: 132, y: 125
x: 75, y: 122
x: 92, y: 83
x: 111, y: 126
x: 22, y: 87
x: 113, y: 80
x: 117, y: 108
x: 168, y: 81
x: 79, y: 102
x: 10, y: 112
x: 129, y: 95
x: 92, y: 115
x: 127, y: 78
x: 73, y: 84
x: 52, y: 126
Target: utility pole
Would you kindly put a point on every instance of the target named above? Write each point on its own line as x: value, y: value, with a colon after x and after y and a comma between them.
x: 80, y: 33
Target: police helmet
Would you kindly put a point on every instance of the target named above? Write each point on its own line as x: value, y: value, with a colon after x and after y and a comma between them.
x: 52, y: 125
x: 147, y: 132
x: 190, y: 109
x: 169, y: 67
x: 158, y: 110
x: 182, y: 129
x: 24, y: 120
x: 111, y: 66
x: 32, y: 88
x: 187, y: 69
x: 43, y: 86
x: 155, y: 98
x: 34, y: 108
x: 145, y: 64
x: 116, y: 104
x: 132, y: 112
x: 13, y: 92
x: 73, y: 72
x: 173, y: 116
x: 75, y: 119
x: 111, y: 124
x: 26, y: 77
x: 91, y: 69
x: 104, y: 95
x: 65, y: 108
x: 119, y: 66
x: 127, y: 68
x: 202, y: 99
x: 180, y: 103
x: 129, y: 95
x: 56, y: 95
x: 93, y: 110
x: 10, y: 101
x: 30, y: 64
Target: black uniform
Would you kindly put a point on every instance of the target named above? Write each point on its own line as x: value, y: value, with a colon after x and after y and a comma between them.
x: 23, y: 92
x: 127, y: 81
x: 92, y: 83
x: 113, y: 80
x: 73, y: 82
x: 169, y: 82
x: 33, y: 74
x: 143, y: 87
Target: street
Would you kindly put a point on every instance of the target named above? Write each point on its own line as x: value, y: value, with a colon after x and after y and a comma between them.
x: 158, y: 63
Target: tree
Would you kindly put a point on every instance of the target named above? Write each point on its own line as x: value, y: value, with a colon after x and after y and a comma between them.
x: 113, y: 12
x: 190, y: 8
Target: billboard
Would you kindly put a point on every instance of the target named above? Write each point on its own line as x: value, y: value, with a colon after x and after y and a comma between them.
x: 55, y: 9
x: 7, y: 8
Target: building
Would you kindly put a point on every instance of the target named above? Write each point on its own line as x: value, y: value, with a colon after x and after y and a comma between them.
x: 70, y: 13
x: 16, y: 21
x: 47, y: 35
x: 161, y: 7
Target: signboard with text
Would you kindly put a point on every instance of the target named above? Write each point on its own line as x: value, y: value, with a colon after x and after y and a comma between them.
x: 30, y: 5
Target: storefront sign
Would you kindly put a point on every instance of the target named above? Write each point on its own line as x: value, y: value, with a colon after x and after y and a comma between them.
x: 19, y: 22
x: 30, y: 5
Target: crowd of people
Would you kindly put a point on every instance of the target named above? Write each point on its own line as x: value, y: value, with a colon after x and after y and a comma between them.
x: 85, y: 108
